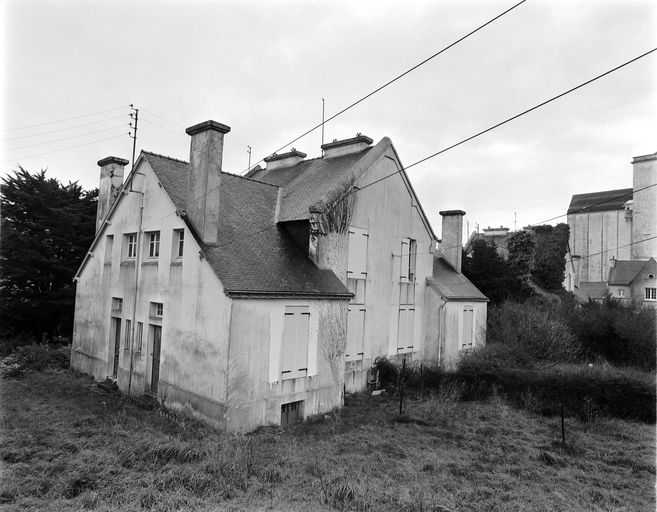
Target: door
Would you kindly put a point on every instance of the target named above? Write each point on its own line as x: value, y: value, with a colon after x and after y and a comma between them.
x: 157, y: 341
x: 117, y: 345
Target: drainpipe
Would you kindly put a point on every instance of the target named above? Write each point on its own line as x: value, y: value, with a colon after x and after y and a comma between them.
x: 441, y: 335
x: 134, y: 301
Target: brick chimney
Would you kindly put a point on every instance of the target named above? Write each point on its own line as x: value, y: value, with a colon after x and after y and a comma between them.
x: 111, y: 180
x: 452, y: 248
x: 205, y: 157
x: 346, y: 146
x: 284, y: 159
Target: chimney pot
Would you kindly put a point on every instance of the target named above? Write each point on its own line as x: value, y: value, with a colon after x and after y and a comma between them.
x: 452, y: 245
x: 203, y: 186
x: 112, y: 169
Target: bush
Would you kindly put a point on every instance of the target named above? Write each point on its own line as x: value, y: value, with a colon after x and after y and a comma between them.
x: 35, y: 357
x: 584, y: 390
x: 530, y: 333
x: 622, y: 334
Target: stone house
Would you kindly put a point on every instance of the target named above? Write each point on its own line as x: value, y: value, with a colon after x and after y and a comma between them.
x: 258, y: 300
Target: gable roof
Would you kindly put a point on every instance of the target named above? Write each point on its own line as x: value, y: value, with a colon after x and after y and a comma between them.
x: 452, y: 285
x: 600, y: 201
x: 255, y: 257
x: 310, y: 181
x: 624, y: 272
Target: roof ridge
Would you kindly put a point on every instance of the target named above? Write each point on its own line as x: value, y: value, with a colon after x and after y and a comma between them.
x: 249, y: 179
x: 164, y: 156
x: 604, y: 191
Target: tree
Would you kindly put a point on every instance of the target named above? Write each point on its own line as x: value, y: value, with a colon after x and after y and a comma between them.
x: 522, y: 248
x: 550, y: 254
x: 492, y: 274
x: 47, y: 228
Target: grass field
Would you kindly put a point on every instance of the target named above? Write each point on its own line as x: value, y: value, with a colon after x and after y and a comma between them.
x: 64, y: 447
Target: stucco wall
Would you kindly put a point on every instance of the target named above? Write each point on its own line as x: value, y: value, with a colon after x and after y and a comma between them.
x: 388, y: 213
x: 645, y: 207
x: 597, y: 237
x: 195, y: 317
x: 256, y: 389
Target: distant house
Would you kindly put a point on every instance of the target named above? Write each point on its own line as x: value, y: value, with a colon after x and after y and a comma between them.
x: 610, y: 227
x: 258, y: 300
x: 498, y: 236
x: 634, y: 281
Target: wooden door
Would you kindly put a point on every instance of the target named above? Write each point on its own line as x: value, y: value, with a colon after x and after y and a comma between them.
x: 117, y: 345
x: 155, y: 372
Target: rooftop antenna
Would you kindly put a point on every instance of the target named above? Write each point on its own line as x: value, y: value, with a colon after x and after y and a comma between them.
x: 248, y: 150
x: 515, y: 221
x: 322, y: 125
x: 133, y: 134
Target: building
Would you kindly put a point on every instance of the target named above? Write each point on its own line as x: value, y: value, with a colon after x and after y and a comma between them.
x: 634, y: 281
x: 498, y: 236
x: 258, y: 300
x: 612, y: 228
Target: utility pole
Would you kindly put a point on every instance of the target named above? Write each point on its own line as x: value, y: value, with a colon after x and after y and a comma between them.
x: 322, y: 125
x: 515, y: 221
x: 248, y: 150
x: 134, y: 115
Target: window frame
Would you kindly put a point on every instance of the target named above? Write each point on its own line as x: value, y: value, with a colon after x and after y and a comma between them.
x: 178, y: 244
x: 650, y: 293
x: 153, y: 245
x: 131, y: 246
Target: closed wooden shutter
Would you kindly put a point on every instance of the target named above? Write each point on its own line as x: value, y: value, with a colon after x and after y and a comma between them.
x: 355, y: 333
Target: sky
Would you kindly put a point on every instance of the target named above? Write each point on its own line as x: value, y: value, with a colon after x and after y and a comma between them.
x: 70, y: 70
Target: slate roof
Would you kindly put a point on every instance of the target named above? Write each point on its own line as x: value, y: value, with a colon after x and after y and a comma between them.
x: 309, y: 181
x: 451, y: 284
x: 600, y: 201
x: 624, y: 272
x: 591, y: 290
x: 255, y: 256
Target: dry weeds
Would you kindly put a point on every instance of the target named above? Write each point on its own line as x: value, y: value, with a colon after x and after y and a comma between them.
x: 64, y: 447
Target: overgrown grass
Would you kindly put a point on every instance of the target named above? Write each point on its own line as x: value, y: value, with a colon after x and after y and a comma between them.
x: 65, y: 447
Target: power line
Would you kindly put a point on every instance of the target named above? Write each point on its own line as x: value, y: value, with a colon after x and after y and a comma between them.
x: 64, y: 129
x: 358, y: 189
x: 177, y: 125
x: 64, y: 149
x: 177, y: 132
x: 613, y: 249
x: 510, y: 118
x: 62, y: 120
x: 65, y: 138
x: 595, y: 204
x: 348, y: 107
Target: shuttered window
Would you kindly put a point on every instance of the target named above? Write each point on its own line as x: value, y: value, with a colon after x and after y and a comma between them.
x: 408, y: 258
x: 357, y: 264
x: 355, y: 333
x: 294, y: 357
x: 467, y: 340
x: 405, y: 329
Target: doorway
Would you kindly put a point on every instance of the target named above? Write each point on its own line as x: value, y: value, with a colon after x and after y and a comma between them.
x: 116, y: 335
x: 156, y: 344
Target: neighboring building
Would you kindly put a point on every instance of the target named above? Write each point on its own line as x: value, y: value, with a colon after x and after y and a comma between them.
x: 611, y: 226
x: 257, y: 300
x: 634, y: 281
x: 499, y: 236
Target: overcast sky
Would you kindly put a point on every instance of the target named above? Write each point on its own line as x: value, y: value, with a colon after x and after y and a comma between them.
x: 262, y: 67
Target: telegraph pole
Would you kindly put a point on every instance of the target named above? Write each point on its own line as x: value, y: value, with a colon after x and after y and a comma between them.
x: 248, y: 150
x: 134, y: 115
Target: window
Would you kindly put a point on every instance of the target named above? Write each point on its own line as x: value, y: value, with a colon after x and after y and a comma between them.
x: 139, y: 337
x: 126, y: 342
x: 405, y: 329
x: 294, y: 357
x: 621, y: 292
x: 157, y: 309
x: 291, y: 413
x: 153, y: 240
x: 467, y: 340
x: 109, y: 243
x: 131, y: 245
x: 355, y: 333
x: 408, y: 258
x: 651, y: 293
x: 357, y: 260
x: 178, y: 244
x: 117, y: 305
x: 407, y: 293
